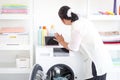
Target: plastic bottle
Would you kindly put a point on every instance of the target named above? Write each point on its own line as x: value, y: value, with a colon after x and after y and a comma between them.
x: 115, y: 7
x: 119, y: 9
x: 52, y: 30
x: 44, y: 33
x: 40, y: 36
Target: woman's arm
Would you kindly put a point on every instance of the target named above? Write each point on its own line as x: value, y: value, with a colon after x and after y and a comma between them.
x: 61, y: 40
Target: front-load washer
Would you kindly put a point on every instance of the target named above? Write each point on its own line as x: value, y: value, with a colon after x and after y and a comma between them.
x: 59, y: 66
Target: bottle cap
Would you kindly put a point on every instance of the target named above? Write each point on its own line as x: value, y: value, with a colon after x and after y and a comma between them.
x: 39, y: 27
x: 52, y: 26
x: 44, y: 27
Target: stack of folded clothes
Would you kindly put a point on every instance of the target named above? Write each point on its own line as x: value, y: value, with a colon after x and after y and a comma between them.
x: 111, y: 37
x: 14, y: 8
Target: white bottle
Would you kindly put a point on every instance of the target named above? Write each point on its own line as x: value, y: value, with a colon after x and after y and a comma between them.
x: 52, y: 30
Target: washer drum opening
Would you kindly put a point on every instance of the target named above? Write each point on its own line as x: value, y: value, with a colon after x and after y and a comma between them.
x: 60, y: 72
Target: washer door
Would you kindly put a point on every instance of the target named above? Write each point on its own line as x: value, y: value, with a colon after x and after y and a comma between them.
x: 60, y: 72
x: 36, y: 73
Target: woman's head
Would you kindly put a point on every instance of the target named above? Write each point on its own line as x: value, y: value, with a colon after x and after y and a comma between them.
x: 66, y: 13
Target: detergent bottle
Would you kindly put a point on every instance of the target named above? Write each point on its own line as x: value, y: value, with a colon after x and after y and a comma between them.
x: 52, y: 30
x: 40, y: 36
x: 44, y: 33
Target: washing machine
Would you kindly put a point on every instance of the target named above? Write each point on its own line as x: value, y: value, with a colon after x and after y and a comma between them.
x: 57, y: 63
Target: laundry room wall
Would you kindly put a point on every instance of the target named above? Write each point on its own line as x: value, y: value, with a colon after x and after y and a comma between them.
x: 46, y: 14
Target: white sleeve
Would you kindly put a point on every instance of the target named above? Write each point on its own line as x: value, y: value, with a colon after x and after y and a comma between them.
x: 75, y: 41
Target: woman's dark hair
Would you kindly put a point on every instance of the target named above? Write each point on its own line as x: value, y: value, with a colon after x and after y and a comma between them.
x: 63, y: 14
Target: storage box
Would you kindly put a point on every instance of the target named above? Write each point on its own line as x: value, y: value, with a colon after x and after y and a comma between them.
x: 22, y: 62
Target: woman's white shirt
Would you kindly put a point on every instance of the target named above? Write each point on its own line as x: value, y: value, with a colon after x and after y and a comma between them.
x: 86, y: 40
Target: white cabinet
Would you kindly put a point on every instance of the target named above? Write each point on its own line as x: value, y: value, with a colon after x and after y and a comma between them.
x: 16, y: 38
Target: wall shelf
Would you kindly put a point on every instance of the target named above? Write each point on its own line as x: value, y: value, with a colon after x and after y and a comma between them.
x: 14, y: 70
x: 14, y: 16
x: 15, y: 47
x: 104, y: 17
x: 113, y: 46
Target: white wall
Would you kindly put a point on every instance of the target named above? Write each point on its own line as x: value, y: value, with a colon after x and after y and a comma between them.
x: 46, y: 13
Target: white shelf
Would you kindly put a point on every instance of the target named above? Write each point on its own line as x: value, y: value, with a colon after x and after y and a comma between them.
x: 59, y: 46
x: 116, y: 69
x: 11, y: 68
x: 10, y: 52
x: 15, y: 70
x: 14, y: 47
x: 113, y: 46
x: 104, y: 17
x: 14, y: 16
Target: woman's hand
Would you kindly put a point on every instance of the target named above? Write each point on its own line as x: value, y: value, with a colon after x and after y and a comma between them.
x: 59, y: 38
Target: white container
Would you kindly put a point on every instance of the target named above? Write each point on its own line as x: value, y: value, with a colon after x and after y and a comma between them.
x: 22, y: 62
